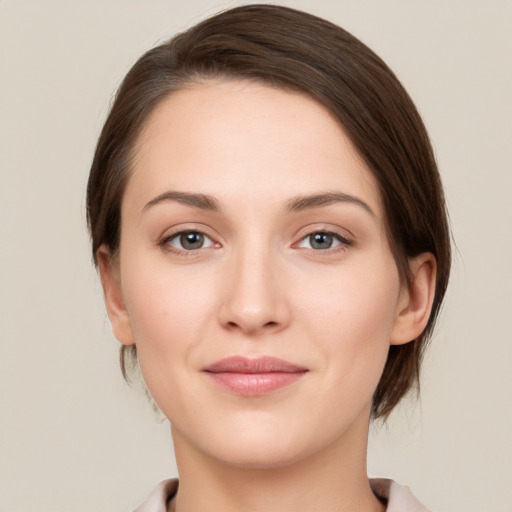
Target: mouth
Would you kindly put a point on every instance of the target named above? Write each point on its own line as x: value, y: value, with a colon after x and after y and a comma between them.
x: 254, y: 377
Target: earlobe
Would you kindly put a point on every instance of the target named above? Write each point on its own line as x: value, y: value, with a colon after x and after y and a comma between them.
x: 112, y: 291
x: 415, y: 303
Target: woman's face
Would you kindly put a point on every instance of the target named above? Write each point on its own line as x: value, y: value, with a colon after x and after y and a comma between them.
x: 257, y: 278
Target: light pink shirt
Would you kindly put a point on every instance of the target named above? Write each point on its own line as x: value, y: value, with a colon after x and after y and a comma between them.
x: 398, y: 497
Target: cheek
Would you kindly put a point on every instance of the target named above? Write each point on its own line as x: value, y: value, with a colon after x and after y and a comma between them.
x: 359, y: 299
x: 161, y: 302
x: 169, y: 313
x: 352, y: 320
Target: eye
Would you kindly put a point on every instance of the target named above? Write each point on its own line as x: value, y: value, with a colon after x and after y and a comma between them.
x: 188, y: 241
x: 322, y: 241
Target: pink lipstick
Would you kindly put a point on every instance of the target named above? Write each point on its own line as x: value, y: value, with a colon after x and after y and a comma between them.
x: 254, y: 377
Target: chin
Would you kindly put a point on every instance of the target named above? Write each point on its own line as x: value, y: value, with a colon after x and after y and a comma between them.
x: 253, y: 442
x: 260, y: 455
x: 263, y: 442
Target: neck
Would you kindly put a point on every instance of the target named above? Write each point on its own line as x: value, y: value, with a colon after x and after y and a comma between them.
x: 332, y: 479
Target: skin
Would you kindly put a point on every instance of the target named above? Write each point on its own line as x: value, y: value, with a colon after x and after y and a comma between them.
x: 258, y: 286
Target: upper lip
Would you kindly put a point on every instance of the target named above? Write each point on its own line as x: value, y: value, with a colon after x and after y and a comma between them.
x: 265, y: 364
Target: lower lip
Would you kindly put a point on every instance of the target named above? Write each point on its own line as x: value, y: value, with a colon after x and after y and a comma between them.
x: 254, y: 384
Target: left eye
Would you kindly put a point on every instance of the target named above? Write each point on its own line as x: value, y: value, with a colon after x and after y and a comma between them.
x: 189, y: 241
x: 322, y: 240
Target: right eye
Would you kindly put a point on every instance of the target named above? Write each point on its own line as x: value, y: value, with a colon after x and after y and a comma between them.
x: 188, y: 241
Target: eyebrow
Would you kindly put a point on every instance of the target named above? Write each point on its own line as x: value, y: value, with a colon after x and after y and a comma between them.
x: 295, y: 204
x: 201, y: 201
x: 301, y: 203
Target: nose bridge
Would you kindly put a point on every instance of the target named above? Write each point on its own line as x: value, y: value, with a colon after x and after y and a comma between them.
x: 255, y: 298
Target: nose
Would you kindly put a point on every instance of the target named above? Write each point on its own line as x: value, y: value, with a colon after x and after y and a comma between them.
x: 255, y: 299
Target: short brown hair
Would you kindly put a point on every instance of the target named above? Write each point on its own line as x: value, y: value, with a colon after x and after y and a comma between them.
x: 294, y: 50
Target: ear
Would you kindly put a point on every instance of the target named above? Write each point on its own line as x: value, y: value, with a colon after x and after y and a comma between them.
x: 415, y: 303
x: 112, y: 291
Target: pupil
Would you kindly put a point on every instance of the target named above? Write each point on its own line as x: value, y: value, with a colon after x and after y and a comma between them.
x: 191, y: 240
x: 321, y: 241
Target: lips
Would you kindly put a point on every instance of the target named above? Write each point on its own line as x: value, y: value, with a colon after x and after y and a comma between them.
x: 254, y: 377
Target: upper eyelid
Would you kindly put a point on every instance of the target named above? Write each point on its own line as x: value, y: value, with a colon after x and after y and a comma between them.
x: 175, y: 234
x: 185, y: 228
x: 341, y: 238
x: 182, y: 231
x: 342, y: 233
x: 329, y: 232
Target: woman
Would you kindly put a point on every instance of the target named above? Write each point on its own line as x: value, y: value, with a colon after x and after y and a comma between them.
x: 269, y: 225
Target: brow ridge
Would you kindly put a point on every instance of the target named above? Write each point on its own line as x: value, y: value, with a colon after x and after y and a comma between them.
x: 201, y: 201
x: 305, y: 202
x: 295, y: 204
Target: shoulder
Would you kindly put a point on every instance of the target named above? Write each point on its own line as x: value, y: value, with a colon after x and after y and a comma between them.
x: 160, y: 497
x: 398, y: 497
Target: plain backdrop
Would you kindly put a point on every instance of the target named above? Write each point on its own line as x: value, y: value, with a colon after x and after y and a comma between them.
x: 73, y: 436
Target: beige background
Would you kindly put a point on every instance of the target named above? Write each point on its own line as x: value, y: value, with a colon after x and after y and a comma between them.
x: 73, y: 436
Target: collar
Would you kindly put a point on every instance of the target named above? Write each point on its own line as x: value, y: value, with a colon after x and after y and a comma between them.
x: 397, y: 497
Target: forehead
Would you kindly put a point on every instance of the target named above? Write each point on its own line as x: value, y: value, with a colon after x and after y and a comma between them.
x: 226, y: 138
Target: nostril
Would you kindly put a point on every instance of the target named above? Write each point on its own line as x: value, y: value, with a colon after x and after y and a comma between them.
x: 235, y: 325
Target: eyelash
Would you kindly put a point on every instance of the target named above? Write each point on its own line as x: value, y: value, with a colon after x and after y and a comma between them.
x: 167, y: 246
x: 343, y: 242
x: 342, y: 245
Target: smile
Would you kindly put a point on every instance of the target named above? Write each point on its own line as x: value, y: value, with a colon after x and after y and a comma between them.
x: 254, y: 377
